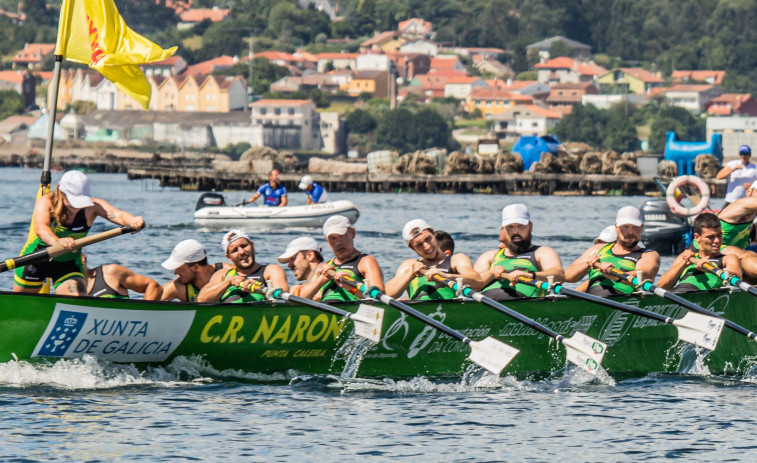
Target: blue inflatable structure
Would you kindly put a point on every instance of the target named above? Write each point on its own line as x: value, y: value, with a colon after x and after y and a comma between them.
x: 530, y: 148
x: 683, y: 153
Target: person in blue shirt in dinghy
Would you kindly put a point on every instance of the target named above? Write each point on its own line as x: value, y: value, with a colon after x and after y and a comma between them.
x: 273, y: 192
x: 315, y: 192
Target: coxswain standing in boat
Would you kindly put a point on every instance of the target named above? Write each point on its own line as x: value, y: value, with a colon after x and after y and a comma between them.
x: 115, y: 281
x: 686, y: 274
x: 60, y: 217
x: 273, y: 192
x: 315, y: 192
x: 189, y: 262
x: 516, y: 256
x: 624, y: 254
x: 347, y: 262
x: 410, y: 277
x: 302, y: 256
x: 241, y: 282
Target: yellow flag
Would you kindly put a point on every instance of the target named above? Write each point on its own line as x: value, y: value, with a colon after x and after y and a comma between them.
x: 92, y: 32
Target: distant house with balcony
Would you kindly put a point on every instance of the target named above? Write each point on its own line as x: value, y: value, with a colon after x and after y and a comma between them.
x: 374, y: 82
x: 562, y: 97
x: 693, y: 97
x: 631, y: 80
x: 388, y: 41
x: 733, y: 104
x: 193, y: 16
x: 416, y: 28
x: 424, y: 47
x: 286, y: 124
x: 564, y: 70
x: 462, y: 87
x: 33, y: 55
x: 490, y: 101
x: 703, y: 76
x: 525, y: 120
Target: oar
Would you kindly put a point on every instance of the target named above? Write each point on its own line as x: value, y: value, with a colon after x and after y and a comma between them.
x: 583, y: 350
x: 700, y: 330
x: 368, y: 320
x: 57, y: 250
x: 732, y: 279
x: 648, y: 286
x: 490, y: 353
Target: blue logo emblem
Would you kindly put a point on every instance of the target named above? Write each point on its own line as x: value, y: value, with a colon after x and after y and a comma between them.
x: 66, y: 327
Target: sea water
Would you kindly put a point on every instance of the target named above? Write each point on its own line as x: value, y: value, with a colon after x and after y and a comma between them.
x: 91, y: 410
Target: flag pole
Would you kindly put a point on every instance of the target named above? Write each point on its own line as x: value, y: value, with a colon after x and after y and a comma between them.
x: 46, y: 177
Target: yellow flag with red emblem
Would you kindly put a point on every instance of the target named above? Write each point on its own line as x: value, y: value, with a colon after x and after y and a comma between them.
x: 92, y: 32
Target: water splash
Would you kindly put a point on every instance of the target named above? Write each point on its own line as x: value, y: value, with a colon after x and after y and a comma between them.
x: 692, y: 359
x: 352, y: 351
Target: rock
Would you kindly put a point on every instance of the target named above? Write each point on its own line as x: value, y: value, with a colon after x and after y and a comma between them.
x: 707, y: 166
x: 591, y: 163
x: 667, y: 169
x: 318, y: 165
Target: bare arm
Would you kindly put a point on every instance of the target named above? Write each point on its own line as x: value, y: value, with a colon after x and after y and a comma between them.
x: 727, y: 170
x: 42, y: 228
x: 369, y: 267
x: 669, y: 279
x: 138, y: 283
x: 581, y: 266
x: 116, y: 215
x: 276, y: 276
x: 170, y: 292
x: 482, y: 266
x: 254, y: 197
x: 740, y: 211
x: 649, y: 265
x: 215, y: 288
x: 550, y: 264
x: 464, y: 268
x: 407, y: 270
x: 733, y: 265
x: 283, y: 201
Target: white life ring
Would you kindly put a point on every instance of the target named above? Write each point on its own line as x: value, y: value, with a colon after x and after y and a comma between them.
x: 675, y: 206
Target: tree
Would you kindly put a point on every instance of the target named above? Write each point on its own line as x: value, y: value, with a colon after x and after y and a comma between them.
x: 11, y: 102
x: 404, y: 131
x: 584, y: 123
x: 359, y: 121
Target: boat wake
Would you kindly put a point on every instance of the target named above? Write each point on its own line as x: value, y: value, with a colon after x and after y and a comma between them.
x: 90, y: 373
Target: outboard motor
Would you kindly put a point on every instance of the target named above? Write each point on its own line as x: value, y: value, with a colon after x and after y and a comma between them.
x: 209, y: 200
x: 664, y: 231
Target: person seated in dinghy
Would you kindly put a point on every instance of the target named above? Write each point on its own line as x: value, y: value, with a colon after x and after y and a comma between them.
x: 242, y: 282
x: 189, y: 262
x: 115, y: 281
x: 60, y: 217
x: 414, y: 275
x: 516, y: 256
x: 686, y: 274
x: 624, y: 254
x: 273, y: 192
x: 348, y: 262
x: 315, y: 192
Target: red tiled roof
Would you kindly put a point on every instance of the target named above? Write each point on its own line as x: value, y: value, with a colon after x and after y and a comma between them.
x: 170, y: 61
x: 27, y: 54
x: 463, y: 80
x: 196, y: 15
x: 277, y: 56
x: 495, y: 94
x: 425, y: 24
x: 688, y: 88
x: 563, y: 62
x: 705, y: 75
x: 16, y: 76
x: 268, y: 102
x: 378, y: 38
x: 333, y: 56
x: 643, y: 75
x: 444, y: 63
x: 446, y: 73
x: 207, y: 67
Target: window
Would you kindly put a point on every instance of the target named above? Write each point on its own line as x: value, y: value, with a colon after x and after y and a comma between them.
x: 277, y: 111
x: 291, y: 111
x: 263, y: 111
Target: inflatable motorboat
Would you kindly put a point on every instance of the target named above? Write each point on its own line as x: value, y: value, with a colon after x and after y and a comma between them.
x: 211, y: 210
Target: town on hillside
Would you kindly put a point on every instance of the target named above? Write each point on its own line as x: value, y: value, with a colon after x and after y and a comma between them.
x: 325, y: 103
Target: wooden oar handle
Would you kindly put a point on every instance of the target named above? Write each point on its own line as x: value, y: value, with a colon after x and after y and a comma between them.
x: 57, y: 250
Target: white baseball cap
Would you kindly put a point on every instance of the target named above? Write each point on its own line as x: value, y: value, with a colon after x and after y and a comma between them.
x: 336, y: 225
x: 608, y: 235
x: 304, y: 243
x: 629, y: 215
x: 306, y: 181
x: 232, y: 236
x: 515, y: 213
x: 186, y: 252
x: 413, y: 229
x: 75, y: 185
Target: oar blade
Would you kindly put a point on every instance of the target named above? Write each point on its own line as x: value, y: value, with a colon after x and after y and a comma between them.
x: 492, y: 354
x: 701, y: 330
x: 369, y: 321
x: 585, y: 351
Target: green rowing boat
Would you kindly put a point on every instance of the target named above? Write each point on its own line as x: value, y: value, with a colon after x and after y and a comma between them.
x: 271, y: 337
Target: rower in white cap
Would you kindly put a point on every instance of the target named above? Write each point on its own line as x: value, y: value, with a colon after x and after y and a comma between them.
x: 501, y: 267
x: 413, y: 275
x: 348, y: 262
x: 238, y: 283
x: 302, y: 256
x: 624, y: 254
x: 60, y: 217
x: 189, y: 262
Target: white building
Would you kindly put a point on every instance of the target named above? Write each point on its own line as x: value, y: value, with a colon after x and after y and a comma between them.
x: 373, y: 62
x: 286, y: 124
x: 736, y: 131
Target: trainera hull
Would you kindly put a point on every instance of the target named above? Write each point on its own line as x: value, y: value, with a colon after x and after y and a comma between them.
x: 274, y: 217
x: 275, y: 337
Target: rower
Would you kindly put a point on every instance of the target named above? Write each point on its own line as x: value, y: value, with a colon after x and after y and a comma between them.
x: 607, y: 235
x: 445, y: 242
x: 189, y: 263
x: 413, y: 274
x: 273, y: 192
x: 315, y: 192
x: 60, y: 217
x: 302, y: 256
x: 624, y: 253
x: 347, y: 262
x: 238, y: 283
x: 517, y: 256
x: 686, y: 273
x: 115, y: 281
x: 737, y: 222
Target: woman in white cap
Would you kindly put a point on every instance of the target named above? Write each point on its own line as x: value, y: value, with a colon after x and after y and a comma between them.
x: 60, y: 217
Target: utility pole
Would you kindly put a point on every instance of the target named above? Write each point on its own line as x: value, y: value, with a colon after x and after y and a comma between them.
x: 250, y: 80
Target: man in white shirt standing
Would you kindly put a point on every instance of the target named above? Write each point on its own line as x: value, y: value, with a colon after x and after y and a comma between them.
x: 739, y: 173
